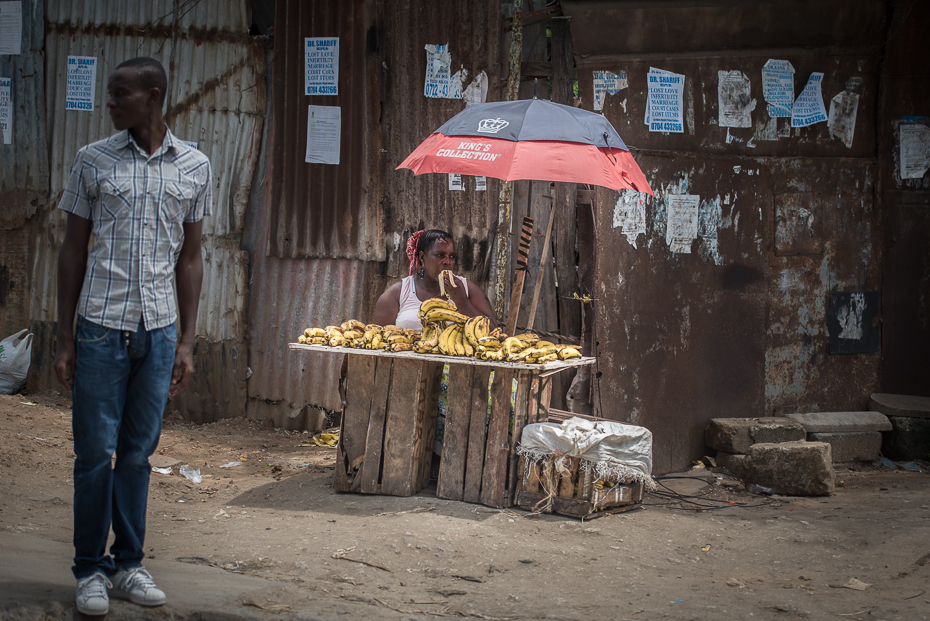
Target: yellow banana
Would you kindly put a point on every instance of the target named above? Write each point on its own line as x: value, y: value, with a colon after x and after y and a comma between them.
x: 483, y: 328
x: 446, y: 345
x: 332, y: 329
x: 489, y: 342
x: 401, y: 346
x: 528, y: 337
x: 459, y: 341
x: 469, y: 349
x: 376, y: 341
x: 314, y: 332
x: 440, y: 314
x: 336, y: 340
x: 400, y: 338
x: 353, y: 334
x: 512, y: 345
x: 498, y: 333
x: 547, y: 358
x: 568, y: 353
x: 442, y: 282
x: 433, y: 304
x: 353, y: 324
x: 301, y: 339
x: 317, y: 340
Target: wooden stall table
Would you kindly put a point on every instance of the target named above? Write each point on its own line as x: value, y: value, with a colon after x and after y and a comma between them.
x: 389, y: 423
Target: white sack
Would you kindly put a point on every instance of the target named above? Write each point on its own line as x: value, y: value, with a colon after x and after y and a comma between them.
x: 15, y: 355
x: 612, y: 449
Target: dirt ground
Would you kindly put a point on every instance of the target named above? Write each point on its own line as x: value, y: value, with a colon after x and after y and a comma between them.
x: 702, y: 548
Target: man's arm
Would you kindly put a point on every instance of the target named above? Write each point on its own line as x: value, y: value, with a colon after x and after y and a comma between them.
x: 72, y: 263
x: 189, y: 276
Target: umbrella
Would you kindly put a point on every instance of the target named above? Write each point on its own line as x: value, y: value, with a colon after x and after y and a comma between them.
x: 530, y: 139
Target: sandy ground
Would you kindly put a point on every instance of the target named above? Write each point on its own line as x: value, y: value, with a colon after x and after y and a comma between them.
x: 269, y: 539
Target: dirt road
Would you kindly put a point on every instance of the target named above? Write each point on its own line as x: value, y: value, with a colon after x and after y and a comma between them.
x: 269, y: 539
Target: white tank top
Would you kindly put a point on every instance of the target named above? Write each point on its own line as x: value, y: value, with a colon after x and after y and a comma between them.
x: 410, y: 304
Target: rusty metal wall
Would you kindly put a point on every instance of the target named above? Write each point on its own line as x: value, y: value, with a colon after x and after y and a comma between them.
x: 216, y: 98
x: 737, y: 326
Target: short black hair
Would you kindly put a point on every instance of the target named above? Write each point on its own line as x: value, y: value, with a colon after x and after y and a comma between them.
x: 151, y: 74
x: 430, y: 237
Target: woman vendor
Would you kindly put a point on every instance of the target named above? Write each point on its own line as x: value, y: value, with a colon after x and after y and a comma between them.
x: 430, y: 253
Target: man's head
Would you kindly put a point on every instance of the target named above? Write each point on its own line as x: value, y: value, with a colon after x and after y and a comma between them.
x: 136, y: 92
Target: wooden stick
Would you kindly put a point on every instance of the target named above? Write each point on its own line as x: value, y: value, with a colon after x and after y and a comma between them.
x: 516, y: 292
x: 531, y: 318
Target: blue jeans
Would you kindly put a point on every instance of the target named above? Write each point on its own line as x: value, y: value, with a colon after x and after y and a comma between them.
x: 121, y: 382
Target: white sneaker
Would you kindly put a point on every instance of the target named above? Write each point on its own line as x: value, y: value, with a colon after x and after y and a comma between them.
x: 90, y: 597
x: 137, y: 585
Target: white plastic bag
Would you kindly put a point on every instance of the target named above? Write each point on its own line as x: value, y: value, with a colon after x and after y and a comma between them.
x: 15, y: 355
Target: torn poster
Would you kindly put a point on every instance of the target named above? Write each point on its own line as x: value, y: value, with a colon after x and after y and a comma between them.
x: 82, y: 82
x: 842, y: 118
x: 321, y: 65
x: 440, y: 82
x: 682, y: 222
x: 477, y: 91
x: 11, y: 27
x: 733, y: 100
x: 455, y: 181
x: 915, y: 150
x: 481, y: 184
x: 630, y: 215
x: 607, y: 83
x: 324, y: 133
x: 778, y: 87
x: 808, y: 108
x: 6, y: 110
x: 664, y: 101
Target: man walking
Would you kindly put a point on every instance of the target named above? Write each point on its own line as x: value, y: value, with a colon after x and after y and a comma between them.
x: 143, y: 194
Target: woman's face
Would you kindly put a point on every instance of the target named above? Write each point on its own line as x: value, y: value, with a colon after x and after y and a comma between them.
x: 439, y: 257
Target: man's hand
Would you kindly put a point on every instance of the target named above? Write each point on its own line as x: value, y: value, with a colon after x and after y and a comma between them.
x: 64, y: 361
x: 183, y: 368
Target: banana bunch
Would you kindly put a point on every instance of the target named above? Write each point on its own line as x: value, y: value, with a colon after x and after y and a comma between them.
x: 394, y: 338
x: 437, y: 310
x: 313, y: 336
x: 429, y: 339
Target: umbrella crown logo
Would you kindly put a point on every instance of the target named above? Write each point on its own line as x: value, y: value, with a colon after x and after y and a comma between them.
x: 492, y: 126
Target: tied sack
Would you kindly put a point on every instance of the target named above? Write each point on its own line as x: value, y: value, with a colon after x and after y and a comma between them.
x: 15, y: 355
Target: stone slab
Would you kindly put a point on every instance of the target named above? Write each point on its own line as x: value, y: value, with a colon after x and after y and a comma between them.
x: 911, y: 406
x: 736, y: 435
x: 853, y: 446
x: 731, y: 461
x: 790, y: 468
x: 908, y: 439
x: 841, y: 422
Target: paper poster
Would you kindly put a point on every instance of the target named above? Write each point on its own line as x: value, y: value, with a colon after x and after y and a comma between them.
x: 82, y: 81
x: 455, y: 182
x: 11, y: 27
x: 321, y: 65
x: 733, y: 100
x: 6, y: 110
x: 481, y: 184
x: 778, y: 87
x: 808, y: 108
x: 324, y: 130
x: 440, y: 82
x: 842, y: 119
x: 682, y: 226
x: 915, y: 150
x: 477, y: 91
x: 664, y: 101
x: 607, y: 83
x: 630, y: 215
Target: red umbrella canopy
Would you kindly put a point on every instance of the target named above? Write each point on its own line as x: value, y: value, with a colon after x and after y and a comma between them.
x: 530, y: 139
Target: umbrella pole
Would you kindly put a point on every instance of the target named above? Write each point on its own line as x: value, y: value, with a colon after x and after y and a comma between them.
x: 531, y: 318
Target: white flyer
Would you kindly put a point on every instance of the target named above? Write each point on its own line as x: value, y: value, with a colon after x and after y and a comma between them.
x: 915, y: 150
x: 82, y: 83
x: 481, y: 184
x: 664, y: 103
x: 778, y: 87
x: 440, y: 82
x: 808, y: 108
x: 734, y: 103
x: 11, y: 27
x: 6, y: 110
x: 842, y: 119
x: 455, y: 181
x: 607, y: 83
x: 630, y: 215
x: 321, y: 65
x: 477, y: 91
x: 682, y: 226
x: 324, y: 132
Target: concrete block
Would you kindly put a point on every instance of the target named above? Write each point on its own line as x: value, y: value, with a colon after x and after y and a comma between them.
x: 900, y: 405
x: 908, y: 439
x: 842, y: 422
x: 790, y: 468
x: 854, y: 446
x: 736, y: 435
x: 731, y: 461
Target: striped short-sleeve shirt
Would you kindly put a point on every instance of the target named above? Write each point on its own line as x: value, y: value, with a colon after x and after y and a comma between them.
x: 137, y: 205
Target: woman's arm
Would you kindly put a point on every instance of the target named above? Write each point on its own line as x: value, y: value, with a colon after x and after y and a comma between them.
x: 388, y: 306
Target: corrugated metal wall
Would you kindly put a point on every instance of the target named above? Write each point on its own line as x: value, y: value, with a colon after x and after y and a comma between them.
x: 737, y: 327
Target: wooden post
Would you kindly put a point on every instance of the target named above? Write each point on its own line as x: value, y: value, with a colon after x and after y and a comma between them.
x: 531, y: 318
x: 516, y: 292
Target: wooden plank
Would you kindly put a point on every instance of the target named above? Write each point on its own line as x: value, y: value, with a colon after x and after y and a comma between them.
x: 516, y: 295
x: 570, y: 506
x: 494, y: 480
x: 532, y: 477
x: 477, y: 435
x: 398, y: 477
x: 451, y: 483
x: 520, y: 416
x: 360, y: 375
x: 567, y: 483
x: 340, y: 478
x: 427, y: 413
x: 371, y: 470
x: 531, y: 316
